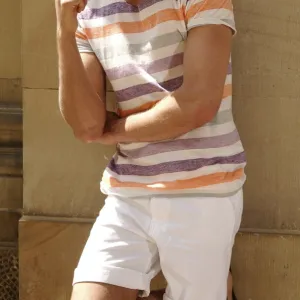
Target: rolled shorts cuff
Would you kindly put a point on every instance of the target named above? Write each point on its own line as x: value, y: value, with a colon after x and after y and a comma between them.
x: 116, y: 276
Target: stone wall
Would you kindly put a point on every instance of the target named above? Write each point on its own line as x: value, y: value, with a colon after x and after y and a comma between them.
x: 61, y: 175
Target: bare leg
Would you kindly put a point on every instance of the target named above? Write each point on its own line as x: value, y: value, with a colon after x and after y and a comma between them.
x: 229, y: 287
x: 99, y: 291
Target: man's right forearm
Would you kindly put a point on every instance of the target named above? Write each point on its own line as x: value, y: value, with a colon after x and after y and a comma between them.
x: 80, y: 105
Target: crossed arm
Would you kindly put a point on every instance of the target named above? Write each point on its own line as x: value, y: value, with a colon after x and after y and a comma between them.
x: 196, y: 102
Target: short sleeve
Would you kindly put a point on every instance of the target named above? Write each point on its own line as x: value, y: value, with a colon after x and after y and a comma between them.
x: 209, y: 12
x: 82, y: 41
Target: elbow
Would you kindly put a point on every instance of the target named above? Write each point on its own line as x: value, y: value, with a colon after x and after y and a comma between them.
x: 204, y: 113
x: 88, y: 136
x: 86, y: 132
x: 204, y: 106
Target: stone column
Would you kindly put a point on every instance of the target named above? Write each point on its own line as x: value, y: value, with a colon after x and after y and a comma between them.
x: 10, y: 146
x: 266, y: 64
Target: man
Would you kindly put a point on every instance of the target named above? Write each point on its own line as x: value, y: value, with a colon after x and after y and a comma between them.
x: 174, y: 187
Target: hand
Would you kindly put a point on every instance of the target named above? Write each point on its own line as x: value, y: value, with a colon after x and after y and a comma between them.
x: 66, y: 14
x: 108, y: 138
x: 111, y: 117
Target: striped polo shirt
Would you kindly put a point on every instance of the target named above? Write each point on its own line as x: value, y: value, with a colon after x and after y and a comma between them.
x: 141, y: 50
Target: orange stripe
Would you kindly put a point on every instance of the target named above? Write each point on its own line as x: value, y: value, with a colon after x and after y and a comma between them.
x: 144, y: 107
x: 192, y: 183
x: 80, y: 35
x: 207, y: 5
x: 135, y: 27
x: 124, y: 113
x: 227, y: 91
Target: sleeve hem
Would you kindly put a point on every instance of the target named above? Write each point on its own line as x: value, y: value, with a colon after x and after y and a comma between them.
x: 85, y: 51
x: 210, y: 21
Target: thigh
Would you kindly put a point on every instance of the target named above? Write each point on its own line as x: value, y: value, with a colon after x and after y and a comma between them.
x: 195, y: 246
x: 118, y: 252
x: 101, y: 291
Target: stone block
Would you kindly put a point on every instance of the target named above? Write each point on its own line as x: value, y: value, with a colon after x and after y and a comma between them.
x: 10, y: 50
x: 61, y: 174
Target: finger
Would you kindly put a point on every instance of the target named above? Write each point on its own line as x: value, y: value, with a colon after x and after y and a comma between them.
x: 81, y: 6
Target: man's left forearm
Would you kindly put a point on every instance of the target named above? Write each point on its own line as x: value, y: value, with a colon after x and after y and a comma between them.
x: 171, y: 117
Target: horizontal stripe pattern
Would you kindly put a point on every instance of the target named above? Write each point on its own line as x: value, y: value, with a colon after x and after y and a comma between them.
x: 151, y: 103
x: 136, y: 27
x: 147, y: 88
x: 185, y: 144
x: 154, y: 87
x: 202, y: 6
x: 151, y: 99
x: 149, y: 67
x: 119, y: 7
x: 165, y: 168
x: 174, y: 176
x: 194, y: 183
x: 232, y: 149
x: 141, y: 49
x: 204, y: 131
x: 153, y: 78
x: 165, y: 44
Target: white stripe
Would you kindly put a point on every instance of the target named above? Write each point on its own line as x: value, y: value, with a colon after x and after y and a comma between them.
x: 228, y: 79
x: 169, y: 177
x: 182, y: 155
x: 97, y: 3
x: 226, y: 104
x: 210, y: 131
x: 124, y: 59
x: 221, y: 13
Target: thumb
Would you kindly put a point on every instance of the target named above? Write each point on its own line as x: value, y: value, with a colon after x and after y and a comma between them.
x: 81, y: 5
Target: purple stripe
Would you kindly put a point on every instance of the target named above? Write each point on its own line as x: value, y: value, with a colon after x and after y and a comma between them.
x: 175, y: 166
x: 183, y: 144
x: 152, y: 67
x: 114, y: 8
x: 148, y: 88
x: 229, y: 70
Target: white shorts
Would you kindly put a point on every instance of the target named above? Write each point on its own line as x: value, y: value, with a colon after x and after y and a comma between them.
x: 189, y: 238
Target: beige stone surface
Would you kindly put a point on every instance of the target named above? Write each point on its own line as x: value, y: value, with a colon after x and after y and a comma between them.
x: 10, y: 91
x: 266, y: 267
x: 266, y: 64
x: 10, y: 31
x: 8, y: 226
x: 61, y: 174
x: 49, y: 252
x: 39, y: 44
x: 11, y: 192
